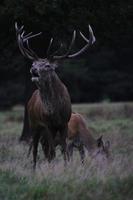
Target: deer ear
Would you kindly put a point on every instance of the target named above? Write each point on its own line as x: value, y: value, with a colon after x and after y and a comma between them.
x: 100, y: 141
x: 107, y: 144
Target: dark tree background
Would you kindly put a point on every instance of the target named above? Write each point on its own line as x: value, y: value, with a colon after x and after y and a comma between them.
x: 103, y: 73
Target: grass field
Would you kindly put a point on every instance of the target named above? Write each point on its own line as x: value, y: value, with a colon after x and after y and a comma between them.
x: 98, y: 181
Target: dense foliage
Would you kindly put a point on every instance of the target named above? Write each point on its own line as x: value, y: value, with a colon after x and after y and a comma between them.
x: 104, y: 73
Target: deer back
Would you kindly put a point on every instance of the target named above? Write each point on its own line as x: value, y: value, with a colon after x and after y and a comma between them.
x: 78, y: 128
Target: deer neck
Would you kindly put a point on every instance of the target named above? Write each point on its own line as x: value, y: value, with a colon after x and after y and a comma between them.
x: 88, y: 140
x: 50, y: 91
x: 91, y: 144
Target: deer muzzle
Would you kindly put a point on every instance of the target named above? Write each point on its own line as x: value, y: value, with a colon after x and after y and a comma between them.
x: 34, y: 74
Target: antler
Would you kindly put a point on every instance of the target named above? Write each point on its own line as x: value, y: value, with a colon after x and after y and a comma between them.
x: 29, y: 53
x: 89, y: 42
x: 68, y: 51
x: 23, y: 43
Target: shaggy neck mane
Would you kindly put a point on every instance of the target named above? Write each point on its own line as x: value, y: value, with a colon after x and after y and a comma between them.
x: 51, y: 91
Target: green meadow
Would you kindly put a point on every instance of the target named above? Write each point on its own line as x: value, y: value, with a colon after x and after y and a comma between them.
x: 111, y: 180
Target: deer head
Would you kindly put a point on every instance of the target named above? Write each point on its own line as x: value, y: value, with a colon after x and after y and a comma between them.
x: 103, y: 147
x: 44, y: 66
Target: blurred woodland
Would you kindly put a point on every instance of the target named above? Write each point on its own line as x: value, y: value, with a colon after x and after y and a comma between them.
x: 104, y: 73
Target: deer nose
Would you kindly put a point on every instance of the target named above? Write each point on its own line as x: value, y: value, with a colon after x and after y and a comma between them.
x: 33, y: 70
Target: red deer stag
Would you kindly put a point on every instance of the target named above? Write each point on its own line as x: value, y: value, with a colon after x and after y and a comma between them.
x: 49, y: 108
x: 80, y: 136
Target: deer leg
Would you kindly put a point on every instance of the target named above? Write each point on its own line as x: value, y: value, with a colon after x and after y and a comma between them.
x: 82, y: 153
x: 30, y: 148
x: 44, y: 147
x: 69, y: 151
x: 36, y: 138
x: 30, y: 142
x: 63, y: 135
x: 48, y: 151
x: 51, y: 146
x: 48, y: 146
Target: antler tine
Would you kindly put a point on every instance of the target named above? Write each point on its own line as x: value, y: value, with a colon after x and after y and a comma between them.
x: 22, y: 34
x: 89, y: 42
x: 92, y: 37
x: 30, y: 50
x: 92, y: 34
x: 23, y: 39
x: 57, y: 50
x: 28, y: 34
x: 72, y: 43
x: 20, y: 45
x: 20, y: 38
x: 27, y: 37
x: 49, y: 47
x: 69, y: 49
x: 18, y: 30
x: 23, y: 50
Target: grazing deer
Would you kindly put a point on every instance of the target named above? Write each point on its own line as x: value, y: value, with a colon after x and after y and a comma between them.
x: 80, y: 136
x: 49, y: 108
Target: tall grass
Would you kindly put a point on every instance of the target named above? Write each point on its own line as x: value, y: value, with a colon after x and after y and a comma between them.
x: 97, y: 179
